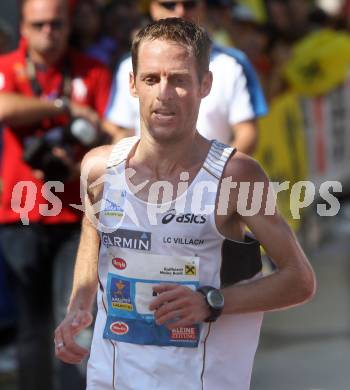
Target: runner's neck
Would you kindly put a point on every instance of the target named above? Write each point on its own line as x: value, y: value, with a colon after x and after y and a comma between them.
x: 164, y: 159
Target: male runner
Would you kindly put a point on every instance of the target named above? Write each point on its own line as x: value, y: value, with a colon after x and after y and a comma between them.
x: 163, y: 321
x: 236, y: 99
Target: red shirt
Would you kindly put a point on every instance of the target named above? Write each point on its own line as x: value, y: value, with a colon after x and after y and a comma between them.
x: 90, y: 86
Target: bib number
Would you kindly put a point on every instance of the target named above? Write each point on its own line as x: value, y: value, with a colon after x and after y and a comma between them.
x: 130, y: 283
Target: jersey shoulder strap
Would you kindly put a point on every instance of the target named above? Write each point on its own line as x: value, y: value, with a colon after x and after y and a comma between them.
x: 121, y: 151
x: 217, y: 158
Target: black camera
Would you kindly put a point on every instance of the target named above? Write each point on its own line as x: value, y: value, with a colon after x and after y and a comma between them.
x: 38, y: 150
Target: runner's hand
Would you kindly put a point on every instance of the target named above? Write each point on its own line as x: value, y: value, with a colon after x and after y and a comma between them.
x: 66, y: 348
x: 178, y: 306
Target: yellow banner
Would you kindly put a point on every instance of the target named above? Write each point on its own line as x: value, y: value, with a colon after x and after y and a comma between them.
x: 319, y: 63
x: 282, y: 148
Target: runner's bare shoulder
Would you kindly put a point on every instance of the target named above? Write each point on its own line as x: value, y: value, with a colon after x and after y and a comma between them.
x: 244, y: 168
x: 93, y: 169
x: 243, y: 171
x: 94, y: 163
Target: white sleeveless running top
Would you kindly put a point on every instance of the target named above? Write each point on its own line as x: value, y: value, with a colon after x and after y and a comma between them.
x: 144, y: 244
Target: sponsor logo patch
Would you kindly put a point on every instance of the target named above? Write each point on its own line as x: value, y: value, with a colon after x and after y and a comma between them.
x: 190, y: 269
x: 184, y: 334
x: 130, y: 239
x: 183, y: 241
x: 121, y: 294
x: 183, y: 218
x: 119, y: 263
x: 120, y: 328
x: 113, y: 209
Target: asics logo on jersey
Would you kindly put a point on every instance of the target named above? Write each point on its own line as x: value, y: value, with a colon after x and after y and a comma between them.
x: 183, y: 218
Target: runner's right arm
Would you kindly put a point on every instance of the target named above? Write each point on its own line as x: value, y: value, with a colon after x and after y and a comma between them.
x: 85, y: 281
x: 79, y: 310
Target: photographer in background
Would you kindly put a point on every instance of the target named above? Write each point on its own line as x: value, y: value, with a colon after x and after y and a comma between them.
x: 51, y: 103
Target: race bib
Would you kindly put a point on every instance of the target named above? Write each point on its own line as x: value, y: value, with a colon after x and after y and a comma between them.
x: 130, y: 281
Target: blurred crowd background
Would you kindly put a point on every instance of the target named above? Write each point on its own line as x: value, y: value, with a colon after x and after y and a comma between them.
x: 272, y: 33
x: 301, y: 52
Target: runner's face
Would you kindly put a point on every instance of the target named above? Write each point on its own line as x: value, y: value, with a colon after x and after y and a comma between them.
x: 45, y: 26
x: 188, y: 10
x: 169, y: 89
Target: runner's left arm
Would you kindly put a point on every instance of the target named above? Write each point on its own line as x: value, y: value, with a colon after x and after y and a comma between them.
x: 293, y: 283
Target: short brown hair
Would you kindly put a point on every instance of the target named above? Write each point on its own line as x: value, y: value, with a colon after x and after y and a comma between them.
x: 180, y: 31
